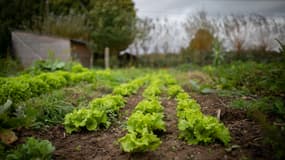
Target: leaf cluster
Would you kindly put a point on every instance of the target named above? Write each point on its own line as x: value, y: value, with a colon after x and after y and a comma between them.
x: 154, y: 89
x: 33, y: 149
x: 100, y: 111
x: 129, y: 88
x: 142, y: 125
x: 173, y: 90
x: 97, y: 115
x: 12, y: 117
x: 91, y: 119
x: 26, y: 86
x: 195, y: 127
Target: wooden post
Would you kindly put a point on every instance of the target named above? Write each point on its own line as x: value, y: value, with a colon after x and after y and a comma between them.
x: 91, y: 60
x: 107, y: 58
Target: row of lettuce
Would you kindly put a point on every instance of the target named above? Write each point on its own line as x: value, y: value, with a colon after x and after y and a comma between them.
x: 26, y: 86
x: 100, y: 111
x: 146, y: 121
x: 195, y: 127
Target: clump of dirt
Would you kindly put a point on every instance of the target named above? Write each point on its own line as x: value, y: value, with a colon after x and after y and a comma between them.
x: 101, y: 144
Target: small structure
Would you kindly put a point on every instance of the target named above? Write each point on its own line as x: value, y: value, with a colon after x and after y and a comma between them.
x: 29, y: 47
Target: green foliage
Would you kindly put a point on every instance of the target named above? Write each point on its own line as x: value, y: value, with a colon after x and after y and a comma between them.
x: 274, y: 135
x: 113, y: 24
x: 144, y: 122
x: 154, y: 89
x: 13, y: 15
x: 101, y: 110
x: 141, y: 128
x: 168, y: 79
x: 111, y: 104
x: 64, y: 7
x: 149, y: 106
x: 218, y: 55
x: 50, y: 108
x: 12, y: 117
x: 91, y: 119
x: 201, y: 88
x: 129, y: 88
x: 98, y: 114
x: 78, y: 68
x: 9, y: 67
x: 52, y: 65
x: 269, y: 105
x: 33, y: 149
x: 173, y: 90
x: 138, y: 122
x: 26, y: 86
x: 252, y: 77
x: 72, y: 26
x: 196, y: 128
x: 139, y: 142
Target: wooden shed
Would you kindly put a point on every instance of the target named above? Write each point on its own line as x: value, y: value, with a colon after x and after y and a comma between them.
x: 29, y: 47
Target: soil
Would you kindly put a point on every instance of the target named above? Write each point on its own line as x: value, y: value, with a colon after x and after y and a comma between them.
x: 101, y: 145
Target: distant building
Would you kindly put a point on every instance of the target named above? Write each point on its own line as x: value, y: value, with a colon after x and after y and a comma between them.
x: 29, y: 47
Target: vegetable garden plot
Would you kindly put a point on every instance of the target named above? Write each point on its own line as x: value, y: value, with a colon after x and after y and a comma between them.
x: 100, y: 144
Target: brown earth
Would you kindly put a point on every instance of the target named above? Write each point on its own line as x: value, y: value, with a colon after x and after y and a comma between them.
x: 101, y: 145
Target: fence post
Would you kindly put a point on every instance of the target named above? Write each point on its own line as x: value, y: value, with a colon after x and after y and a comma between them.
x: 107, y: 58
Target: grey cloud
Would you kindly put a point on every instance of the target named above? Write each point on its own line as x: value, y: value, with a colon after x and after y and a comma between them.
x: 166, y: 8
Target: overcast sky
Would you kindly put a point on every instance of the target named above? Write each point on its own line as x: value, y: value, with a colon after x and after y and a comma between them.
x: 180, y: 8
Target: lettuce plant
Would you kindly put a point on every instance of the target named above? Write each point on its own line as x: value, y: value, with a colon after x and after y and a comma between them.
x: 91, y: 119
x: 149, y: 106
x: 33, y: 149
x: 138, y: 122
x: 139, y: 141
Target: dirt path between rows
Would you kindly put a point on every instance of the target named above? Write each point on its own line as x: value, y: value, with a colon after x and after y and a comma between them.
x: 100, y: 145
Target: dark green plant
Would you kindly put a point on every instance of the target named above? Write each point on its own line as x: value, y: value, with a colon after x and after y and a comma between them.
x: 32, y: 149
x: 201, y: 88
x: 9, y: 67
x: 12, y: 117
x: 274, y: 135
x: 269, y: 105
x: 51, y: 108
x: 72, y: 26
x: 252, y: 77
x: 10, y: 19
x: 218, y: 54
x: 51, y: 65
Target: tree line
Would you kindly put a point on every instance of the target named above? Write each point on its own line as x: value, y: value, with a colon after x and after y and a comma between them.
x: 101, y: 23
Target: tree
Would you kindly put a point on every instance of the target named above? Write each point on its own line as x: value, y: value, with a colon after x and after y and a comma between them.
x: 113, y: 24
x: 200, y: 46
x: 199, y: 21
x: 237, y: 29
x: 13, y: 14
x: 64, y: 7
x: 202, y: 41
